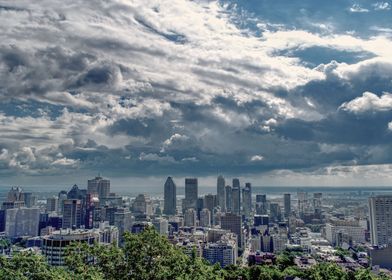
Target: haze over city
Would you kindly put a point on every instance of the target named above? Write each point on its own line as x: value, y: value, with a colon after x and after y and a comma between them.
x: 285, y: 93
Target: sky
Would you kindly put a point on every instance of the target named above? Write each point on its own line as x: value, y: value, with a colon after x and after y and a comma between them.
x: 290, y: 93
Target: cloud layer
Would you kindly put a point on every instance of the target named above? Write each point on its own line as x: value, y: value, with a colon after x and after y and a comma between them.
x: 141, y: 88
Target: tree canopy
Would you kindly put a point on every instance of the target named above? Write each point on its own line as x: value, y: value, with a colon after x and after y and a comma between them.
x: 150, y: 256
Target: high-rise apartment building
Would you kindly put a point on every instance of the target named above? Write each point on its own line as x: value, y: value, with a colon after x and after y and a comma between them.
x: 380, y: 213
x: 222, y: 252
x: 170, y: 196
x: 221, y: 193
x: 191, y: 193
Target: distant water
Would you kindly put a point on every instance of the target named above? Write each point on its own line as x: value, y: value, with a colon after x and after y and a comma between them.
x: 157, y: 191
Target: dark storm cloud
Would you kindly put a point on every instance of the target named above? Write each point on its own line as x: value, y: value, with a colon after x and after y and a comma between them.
x: 143, y: 88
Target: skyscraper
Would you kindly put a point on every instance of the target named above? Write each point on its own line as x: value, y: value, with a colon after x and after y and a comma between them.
x: 22, y: 221
x: 261, y: 204
x: 190, y: 217
x: 275, y: 212
x: 229, y: 198
x: 99, y: 186
x: 52, y: 204
x: 191, y: 193
x: 169, y: 207
x: 233, y: 223
x: 317, y: 203
x: 287, y: 204
x: 302, y: 203
x: 380, y: 212
x: 247, y: 199
x: 72, y: 213
x: 221, y: 192
x: 236, y: 197
x: 205, y: 218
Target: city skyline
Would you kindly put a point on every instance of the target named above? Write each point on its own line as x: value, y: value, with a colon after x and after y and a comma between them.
x: 283, y: 93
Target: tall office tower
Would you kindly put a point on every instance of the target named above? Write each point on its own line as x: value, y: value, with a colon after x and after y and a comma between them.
x: 261, y: 204
x: 317, y: 203
x: 302, y: 203
x: 170, y: 197
x: 380, y: 212
x: 236, y: 196
x: 191, y: 192
x: 190, y: 217
x: 75, y: 193
x: 233, y: 223
x: 205, y: 218
x: 287, y: 204
x: 275, y: 212
x: 123, y: 220
x: 29, y: 199
x: 22, y: 222
x: 200, y: 206
x: 229, y: 198
x: 247, y: 199
x: 62, y: 196
x: 15, y: 199
x: 89, y: 209
x: 52, y: 204
x: 72, y: 214
x: 209, y: 203
x: 15, y: 194
x: 221, y: 193
x: 99, y: 186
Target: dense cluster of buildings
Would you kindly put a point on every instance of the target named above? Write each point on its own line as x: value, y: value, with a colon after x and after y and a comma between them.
x: 229, y: 226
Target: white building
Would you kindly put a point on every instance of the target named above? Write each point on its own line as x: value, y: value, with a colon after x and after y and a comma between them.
x: 352, y: 229
x: 190, y: 218
x: 161, y: 225
x: 205, y: 218
x: 223, y: 252
x: 22, y: 222
x: 108, y: 234
x: 380, y: 212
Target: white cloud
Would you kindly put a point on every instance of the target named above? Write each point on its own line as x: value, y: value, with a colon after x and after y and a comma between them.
x: 257, y: 158
x: 155, y: 157
x: 65, y: 162
x: 368, y: 102
x: 382, y: 6
x: 356, y: 8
